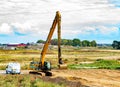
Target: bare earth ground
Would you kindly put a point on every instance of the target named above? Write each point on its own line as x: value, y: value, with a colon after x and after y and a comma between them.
x: 91, y: 77
x: 85, y: 77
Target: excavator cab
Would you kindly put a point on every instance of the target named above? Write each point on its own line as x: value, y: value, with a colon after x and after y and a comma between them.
x: 36, y: 66
x: 47, y: 66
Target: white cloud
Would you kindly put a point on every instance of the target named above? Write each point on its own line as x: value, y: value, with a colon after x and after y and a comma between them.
x: 78, y: 16
x: 88, y: 30
x: 5, y: 29
x: 108, y: 30
x: 22, y: 28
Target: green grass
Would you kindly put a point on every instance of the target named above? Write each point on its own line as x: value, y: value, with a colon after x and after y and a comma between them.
x: 25, y: 81
x: 70, y: 55
x: 98, y: 64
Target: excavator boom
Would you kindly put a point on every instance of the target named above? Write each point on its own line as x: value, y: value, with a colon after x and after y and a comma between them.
x: 57, y: 21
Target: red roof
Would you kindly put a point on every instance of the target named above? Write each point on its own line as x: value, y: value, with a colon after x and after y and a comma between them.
x: 16, y: 45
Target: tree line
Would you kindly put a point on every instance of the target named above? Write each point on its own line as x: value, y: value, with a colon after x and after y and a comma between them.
x: 116, y: 44
x: 74, y: 42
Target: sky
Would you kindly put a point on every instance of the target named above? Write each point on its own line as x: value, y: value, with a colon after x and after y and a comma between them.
x: 23, y: 21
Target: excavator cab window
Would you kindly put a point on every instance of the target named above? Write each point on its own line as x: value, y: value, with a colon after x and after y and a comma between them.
x: 47, y: 66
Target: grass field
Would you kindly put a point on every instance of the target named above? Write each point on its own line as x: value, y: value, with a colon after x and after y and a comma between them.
x: 70, y: 55
x: 75, y: 58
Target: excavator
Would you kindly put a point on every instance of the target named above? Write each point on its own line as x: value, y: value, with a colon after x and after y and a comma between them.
x: 44, y: 66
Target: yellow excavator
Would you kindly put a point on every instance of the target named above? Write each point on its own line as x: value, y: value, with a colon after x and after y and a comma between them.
x: 45, y: 66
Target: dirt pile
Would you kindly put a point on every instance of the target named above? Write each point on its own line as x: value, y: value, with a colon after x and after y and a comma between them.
x: 60, y: 80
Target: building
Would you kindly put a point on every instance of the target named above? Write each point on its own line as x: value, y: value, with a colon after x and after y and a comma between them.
x: 15, y: 46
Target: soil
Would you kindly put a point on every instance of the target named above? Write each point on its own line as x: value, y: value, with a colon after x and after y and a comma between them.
x: 86, y: 78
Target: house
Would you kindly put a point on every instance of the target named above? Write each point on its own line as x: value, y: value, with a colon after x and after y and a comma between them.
x: 15, y: 46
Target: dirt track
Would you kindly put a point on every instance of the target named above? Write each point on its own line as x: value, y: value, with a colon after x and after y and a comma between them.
x: 91, y: 77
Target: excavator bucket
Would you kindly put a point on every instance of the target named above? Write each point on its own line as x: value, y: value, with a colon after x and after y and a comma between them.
x: 62, y: 66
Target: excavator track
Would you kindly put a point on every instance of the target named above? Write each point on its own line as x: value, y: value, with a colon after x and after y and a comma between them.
x: 46, y: 73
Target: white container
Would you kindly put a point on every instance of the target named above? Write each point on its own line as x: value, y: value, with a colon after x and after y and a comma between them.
x: 13, y: 68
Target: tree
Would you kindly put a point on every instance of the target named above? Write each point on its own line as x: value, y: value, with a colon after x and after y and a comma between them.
x: 116, y: 44
x: 85, y: 43
x: 69, y: 42
x: 93, y: 43
x: 40, y: 41
x: 64, y: 41
x: 54, y: 41
x: 76, y: 42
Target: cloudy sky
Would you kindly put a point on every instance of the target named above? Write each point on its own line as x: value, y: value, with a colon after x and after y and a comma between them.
x: 30, y: 20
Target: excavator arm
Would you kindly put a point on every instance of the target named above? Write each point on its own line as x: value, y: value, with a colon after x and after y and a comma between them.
x: 57, y: 21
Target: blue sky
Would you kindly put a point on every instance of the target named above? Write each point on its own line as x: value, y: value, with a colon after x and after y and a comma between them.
x: 115, y: 2
x: 23, y: 21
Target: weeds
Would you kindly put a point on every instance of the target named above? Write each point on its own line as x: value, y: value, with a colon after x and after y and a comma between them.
x: 98, y: 64
x: 24, y: 81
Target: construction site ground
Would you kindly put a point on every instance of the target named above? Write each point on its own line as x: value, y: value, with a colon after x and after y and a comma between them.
x: 70, y: 77
x: 80, y: 78
x: 84, y: 77
x: 92, y: 77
